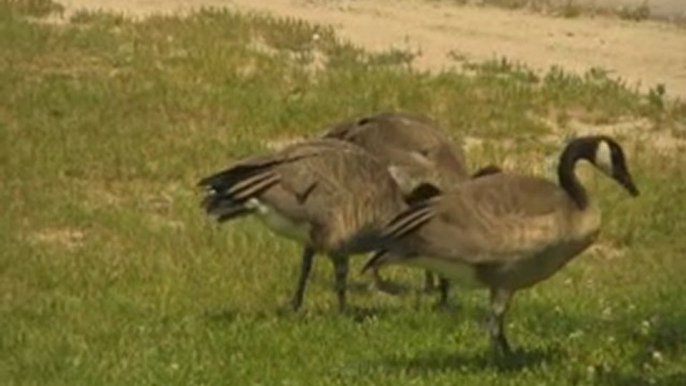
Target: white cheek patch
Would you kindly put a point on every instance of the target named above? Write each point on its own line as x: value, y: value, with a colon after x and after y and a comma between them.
x: 603, y: 157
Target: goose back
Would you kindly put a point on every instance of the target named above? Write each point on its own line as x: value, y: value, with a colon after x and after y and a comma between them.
x: 499, y: 224
x: 326, y: 193
x: 415, y: 147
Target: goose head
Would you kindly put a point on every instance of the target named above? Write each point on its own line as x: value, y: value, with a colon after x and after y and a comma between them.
x: 608, y: 156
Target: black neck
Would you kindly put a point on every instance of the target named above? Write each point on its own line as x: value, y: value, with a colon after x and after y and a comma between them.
x: 574, y: 152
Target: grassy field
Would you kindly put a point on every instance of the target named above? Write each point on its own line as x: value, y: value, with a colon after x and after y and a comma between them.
x: 571, y: 8
x: 110, y: 273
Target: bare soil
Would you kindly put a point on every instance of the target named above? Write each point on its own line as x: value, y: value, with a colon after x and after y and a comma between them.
x: 645, y: 53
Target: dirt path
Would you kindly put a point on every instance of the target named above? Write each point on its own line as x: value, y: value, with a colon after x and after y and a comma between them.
x: 645, y: 53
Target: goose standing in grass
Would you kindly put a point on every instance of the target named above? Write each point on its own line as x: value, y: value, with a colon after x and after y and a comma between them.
x: 505, y: 232
x: 332, y: 196
x: 419, y: 155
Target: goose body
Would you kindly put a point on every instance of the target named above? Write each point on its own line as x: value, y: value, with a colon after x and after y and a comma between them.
x: 329, y: 195
x: 416, y: 149
x: 513, y: 230
x: 506, y: 231
x: 417, y: 152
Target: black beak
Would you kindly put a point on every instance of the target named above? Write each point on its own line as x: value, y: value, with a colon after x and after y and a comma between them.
x: 628, y: 184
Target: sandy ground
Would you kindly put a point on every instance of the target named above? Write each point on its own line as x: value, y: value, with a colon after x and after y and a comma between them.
x: 645, y: 53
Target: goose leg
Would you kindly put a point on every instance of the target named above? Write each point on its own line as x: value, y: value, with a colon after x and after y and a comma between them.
x: 305, y: 268
x: 500, y: 299
x: 429, y: 283
x: 341, y: 265
x: 444, y: 291
x: 378, y: 280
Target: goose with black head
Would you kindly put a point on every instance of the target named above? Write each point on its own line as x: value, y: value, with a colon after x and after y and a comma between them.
x: 506, y: 232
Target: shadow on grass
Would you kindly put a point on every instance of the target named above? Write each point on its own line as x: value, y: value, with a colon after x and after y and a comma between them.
x: 442, y: 361
x: 356, y: 314
x: 393, y: 288
x: 621, y: 379
x: 226, y: 315
x: 389, y: 287
x: 667, y: 334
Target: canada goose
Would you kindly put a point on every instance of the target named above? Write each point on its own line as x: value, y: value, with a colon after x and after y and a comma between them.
x: 416, y: 149
x: 419, y: 155
x: 330, y: 195
x: 505, y: 231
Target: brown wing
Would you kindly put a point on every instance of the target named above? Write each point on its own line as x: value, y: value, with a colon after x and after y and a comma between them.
x: 415, y: 148
x: 337, y: 186
x: 490, y: 219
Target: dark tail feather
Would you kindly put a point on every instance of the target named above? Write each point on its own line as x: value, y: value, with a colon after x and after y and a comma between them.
x: 375, y: 260
x: 253, y: 186
x: 229, y: 190
x: 231, y: 176
x: 224, y: 208
x: 422, y: 192
x: 408, y: 221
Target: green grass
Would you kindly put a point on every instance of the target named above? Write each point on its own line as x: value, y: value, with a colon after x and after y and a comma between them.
x: 33, y: 8
x: 110, y: 273
x: 572, y: 8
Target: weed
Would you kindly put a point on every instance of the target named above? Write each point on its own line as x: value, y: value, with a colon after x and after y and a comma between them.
x: 570, y: 9
x: 35, y: 8
x: 636, y: 13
